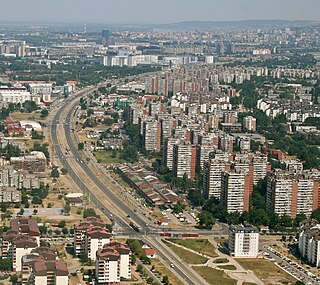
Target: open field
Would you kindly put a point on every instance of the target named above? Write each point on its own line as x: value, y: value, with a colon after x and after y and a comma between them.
x: 160, y: 267
x: 105, y: 157
x: 18, y: 116
x: 187, y: 256
x: 214, y: 276
x: 268, y: 273
x: 200, y: 245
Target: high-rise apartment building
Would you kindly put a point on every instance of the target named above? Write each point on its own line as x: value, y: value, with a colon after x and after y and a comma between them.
x: 184, y: 160
x: 212, y: 177
x: 250, y: 123
x: 235, y: 191
x: 243, y: 241
x: 291, y: 193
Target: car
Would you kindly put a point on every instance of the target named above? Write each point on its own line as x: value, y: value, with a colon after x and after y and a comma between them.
x: 172, y: 265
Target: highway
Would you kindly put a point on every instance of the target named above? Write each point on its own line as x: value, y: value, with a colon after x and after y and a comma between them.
x: 184, y: 271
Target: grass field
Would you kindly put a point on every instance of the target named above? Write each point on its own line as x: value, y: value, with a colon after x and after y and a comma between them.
x: 248, y: 283
x: 160, y: 267
x: 18, y: 116
x: 105, y: 157
x: 221, y: 260
x: 199, y: 245
x: 187, y: 256
x: 227, y: 267
x: 214, y: 276
x: 268, y: 273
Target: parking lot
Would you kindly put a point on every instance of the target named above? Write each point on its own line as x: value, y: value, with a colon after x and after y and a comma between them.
x: 290, y: 266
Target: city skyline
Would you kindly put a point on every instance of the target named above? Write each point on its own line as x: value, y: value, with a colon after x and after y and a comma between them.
x: 141, y: 11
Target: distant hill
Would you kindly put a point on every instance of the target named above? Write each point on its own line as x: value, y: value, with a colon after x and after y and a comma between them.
x: 212, y: 25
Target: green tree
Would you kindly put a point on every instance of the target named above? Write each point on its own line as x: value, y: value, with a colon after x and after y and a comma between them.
x: 5, y: 264
x: 62, y: 224
x: 55, y: 172
x: 89, y: 212
x: 44, y: 113
x: 165, y: 280
x: 67, y: 208
x: 14, y: 279
x: 206, y: 220
x: 80, y: 146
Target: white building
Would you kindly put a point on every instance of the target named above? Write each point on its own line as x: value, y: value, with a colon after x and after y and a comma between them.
x: 112, y: 263
x: 243, y: 241
x: 309, y: 241
x: 96, y: 238
x: 14, y: 95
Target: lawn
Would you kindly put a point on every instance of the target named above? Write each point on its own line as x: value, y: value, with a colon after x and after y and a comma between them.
x: 160, y: 267
x: 199, y: 245
x: 269, y: 273
x: 187, y: 256
x: 105, y: 157
x: 227, y: 267
x: 214, y: 276
x: 221, y: 260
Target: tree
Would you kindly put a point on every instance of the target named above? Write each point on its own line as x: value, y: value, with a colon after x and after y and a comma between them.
x: 65, y: 231
x: 67, y: 208
x: 80, y: 146
x: 14, y: 279
x: 165, y: 280
x: 44, y: 113
x: 206, y: 220
x: 89, y: 212
x: 5, y: 264
x: 55, y: 172
x: 29, y: 106
x: 83, y: 258
x: 149, y: 280
x: 62, y: 224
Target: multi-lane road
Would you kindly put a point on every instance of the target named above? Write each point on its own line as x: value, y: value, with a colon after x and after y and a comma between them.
x: 65, y: 114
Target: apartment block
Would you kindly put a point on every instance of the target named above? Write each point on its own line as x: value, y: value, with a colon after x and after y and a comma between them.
x: 35, y: 162
x: 250, y: 123
x: 291, y: 193
x: 42, y: 267
x: 90, y: 235
x: 22, y: 237
x: 113, y: 263
x: 184, y: 160
x: 309, y: 241
x: 235, y: 191
x: 168, y: 151
x: 212, y: 177
x: 151, y: 131
x: 243, y: 241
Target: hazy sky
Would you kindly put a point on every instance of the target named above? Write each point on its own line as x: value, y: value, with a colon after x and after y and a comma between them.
x: 160, y: 11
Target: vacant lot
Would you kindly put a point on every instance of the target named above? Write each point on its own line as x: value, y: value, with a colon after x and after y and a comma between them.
x: 199, y: 245
x: 187, y: 256
x: 269, y: 273
x: 105, y: 157
x: 214, y: 276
